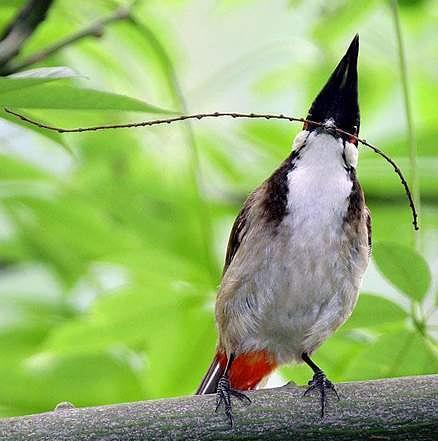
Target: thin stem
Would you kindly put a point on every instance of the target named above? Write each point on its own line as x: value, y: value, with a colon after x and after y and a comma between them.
x: 408, y: 110
x: 21, y: 28
x: 156, y: 122
x: 95, y: 29
x: 200, y: 116
x: 179, y: 100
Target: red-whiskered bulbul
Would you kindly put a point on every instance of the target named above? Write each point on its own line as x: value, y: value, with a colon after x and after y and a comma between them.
x: 297, y: 252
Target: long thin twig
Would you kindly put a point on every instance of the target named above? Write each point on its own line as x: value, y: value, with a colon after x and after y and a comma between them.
x: 156, y: 122
x: 200, y: 116
x: 408, y: 109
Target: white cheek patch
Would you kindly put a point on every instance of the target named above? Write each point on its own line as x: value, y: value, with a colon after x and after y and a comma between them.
x: 351, y: 153
x: 300, y: 140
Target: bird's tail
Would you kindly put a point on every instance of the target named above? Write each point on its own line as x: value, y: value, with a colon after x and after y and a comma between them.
x: 246, y: 371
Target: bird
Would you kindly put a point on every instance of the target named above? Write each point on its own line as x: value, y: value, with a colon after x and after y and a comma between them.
x: 297, y: 252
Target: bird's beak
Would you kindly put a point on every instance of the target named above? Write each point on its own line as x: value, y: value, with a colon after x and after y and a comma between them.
x: 338, y: 100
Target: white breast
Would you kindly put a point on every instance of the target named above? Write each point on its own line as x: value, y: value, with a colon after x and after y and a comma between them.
x: 314, y: 288
x: 318, y: 187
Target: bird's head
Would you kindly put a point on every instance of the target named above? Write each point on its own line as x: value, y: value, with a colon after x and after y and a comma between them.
x: 337, y: 103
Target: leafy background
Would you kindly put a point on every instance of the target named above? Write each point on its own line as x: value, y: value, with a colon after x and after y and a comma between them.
x: 111, y: 243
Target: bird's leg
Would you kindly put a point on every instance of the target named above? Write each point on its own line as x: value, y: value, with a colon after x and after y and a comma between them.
x: 225, y: 392
x: 319, y: 381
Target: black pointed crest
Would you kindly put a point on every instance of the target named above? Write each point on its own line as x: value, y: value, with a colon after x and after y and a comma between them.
x: 338, y: 99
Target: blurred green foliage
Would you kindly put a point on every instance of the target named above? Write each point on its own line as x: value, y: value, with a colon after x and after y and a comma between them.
x: 111, y: 243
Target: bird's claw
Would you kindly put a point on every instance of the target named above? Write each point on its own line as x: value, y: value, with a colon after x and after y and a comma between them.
x: 223, y: 396
x: 323, y: 384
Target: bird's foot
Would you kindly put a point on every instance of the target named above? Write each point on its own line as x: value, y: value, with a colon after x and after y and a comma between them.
x: 223, y: 396
x: 323, y: 384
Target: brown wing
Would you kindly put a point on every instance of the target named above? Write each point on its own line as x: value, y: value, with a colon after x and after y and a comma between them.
x: 271, y: 201
x: 240, y: 227
x: 368, y: 221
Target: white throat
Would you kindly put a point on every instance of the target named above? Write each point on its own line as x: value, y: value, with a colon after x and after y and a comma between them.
x: 319, y: 184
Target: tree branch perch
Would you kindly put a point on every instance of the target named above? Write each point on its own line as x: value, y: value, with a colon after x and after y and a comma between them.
x: 392, y: 409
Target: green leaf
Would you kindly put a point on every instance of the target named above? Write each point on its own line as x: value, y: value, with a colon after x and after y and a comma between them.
x: 50, y: 134
x: 192, y: 336
x: 11, y: 3
x: 34, y: 77
x: 14, y: 169
x: 83, y: 379
x: 21, y: 339
x: 64, y: 96
x: 373, y: 310
x: 52, y: 233
x: 270, y: 136
x: 404, y: 268
x: 338, y: 17
x: 397, y: 354
x: 128, y: 317
x: 334, y: 355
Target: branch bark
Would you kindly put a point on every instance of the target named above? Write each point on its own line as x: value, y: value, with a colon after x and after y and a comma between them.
x: 391, y: 409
